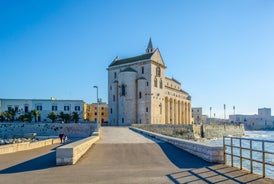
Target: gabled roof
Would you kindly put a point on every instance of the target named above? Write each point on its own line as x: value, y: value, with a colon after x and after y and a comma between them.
x: 128, y: 69
x: 131, y: 59
x: 141, y: 78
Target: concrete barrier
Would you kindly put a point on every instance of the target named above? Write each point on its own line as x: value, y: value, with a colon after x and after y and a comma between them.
x: 69, y: 154
x: 206, y: 152
x: 12, y: 148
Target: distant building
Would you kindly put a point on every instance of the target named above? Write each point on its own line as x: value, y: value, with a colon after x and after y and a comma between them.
x: 262, y: 120
x: 91, y: 112
x: 139, y: 92
x: 44, y: 106
x: 197, y: 114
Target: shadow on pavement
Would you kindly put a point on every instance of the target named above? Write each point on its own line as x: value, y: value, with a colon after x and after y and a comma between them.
x: 177, y: 156
x: 196, y: 170
x: 42, y: 162
x: 181, y: 158
x: 215, y: 174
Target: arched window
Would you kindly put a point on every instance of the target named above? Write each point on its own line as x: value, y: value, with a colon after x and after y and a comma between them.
x: 155, y: 82
x: 158, y: 71
x: 115, y: 75
x: 161, y: 83
x: 123, y: 90
x: 143, y: 70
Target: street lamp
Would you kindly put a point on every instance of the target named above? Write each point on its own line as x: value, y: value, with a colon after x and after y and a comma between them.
x: 210, y: 114
x: 97, y: 119
x: 224, y: 111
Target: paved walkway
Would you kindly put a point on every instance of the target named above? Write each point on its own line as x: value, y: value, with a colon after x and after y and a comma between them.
x: 121, y: 156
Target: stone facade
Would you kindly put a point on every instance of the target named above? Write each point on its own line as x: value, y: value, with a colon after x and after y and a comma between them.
x: 139, y: 92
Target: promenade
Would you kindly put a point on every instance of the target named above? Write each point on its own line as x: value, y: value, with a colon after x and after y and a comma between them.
x: 121, y: 156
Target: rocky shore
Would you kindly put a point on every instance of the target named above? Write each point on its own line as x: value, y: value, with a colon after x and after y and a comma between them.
x: 16, y: 140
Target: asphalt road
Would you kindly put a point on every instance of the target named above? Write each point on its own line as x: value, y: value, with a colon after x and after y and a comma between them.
x: 121, y: 156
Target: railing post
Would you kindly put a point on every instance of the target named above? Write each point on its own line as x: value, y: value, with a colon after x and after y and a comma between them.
x: 263, y: 147
x: 231, y: 142
x: 224, y: 148
x: 251, y: 159
x: 241, y: 155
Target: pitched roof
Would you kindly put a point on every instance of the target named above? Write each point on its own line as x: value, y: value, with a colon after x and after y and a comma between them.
x: 128, y: 69
x: 141, y: 78
x: 132, y: 59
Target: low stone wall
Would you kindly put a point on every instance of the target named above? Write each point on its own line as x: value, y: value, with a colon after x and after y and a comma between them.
x: 10, y: 130
x: 194, y: 132
x: 179, y: 131
x: 69, y: 154
x: 11, y: 148
x: 206, y: 152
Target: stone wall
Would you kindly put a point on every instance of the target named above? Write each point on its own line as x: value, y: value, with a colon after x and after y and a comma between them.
x: 179, y: 131
x: 220, y: 130
x: 69, y: 154
x: 193, y: 132
x: 10, y: 130
x: 11, y: 148
x: 209, y: 153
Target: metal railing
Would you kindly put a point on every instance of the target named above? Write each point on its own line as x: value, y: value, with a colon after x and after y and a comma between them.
x: 252, y: 151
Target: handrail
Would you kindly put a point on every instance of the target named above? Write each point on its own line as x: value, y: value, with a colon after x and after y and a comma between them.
x: 229, y: 145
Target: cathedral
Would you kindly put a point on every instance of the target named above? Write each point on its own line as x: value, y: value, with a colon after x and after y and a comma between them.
x: 140, y: 93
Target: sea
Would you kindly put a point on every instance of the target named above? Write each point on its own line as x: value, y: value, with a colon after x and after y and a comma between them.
x: 257, y: 145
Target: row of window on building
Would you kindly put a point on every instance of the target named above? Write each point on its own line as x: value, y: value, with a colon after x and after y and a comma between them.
x: 101, y: 114
x: 40, y: 108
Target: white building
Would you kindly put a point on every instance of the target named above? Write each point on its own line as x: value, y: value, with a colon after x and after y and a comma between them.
x: 262, y: 120
x: 139, y: 92
x: 44, y: 106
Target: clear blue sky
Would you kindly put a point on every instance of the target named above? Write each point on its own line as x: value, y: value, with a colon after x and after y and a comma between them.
x: 222, y: 51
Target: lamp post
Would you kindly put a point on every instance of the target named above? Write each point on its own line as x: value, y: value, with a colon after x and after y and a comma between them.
x: 224, y: 111
x: 210, y: 114
x: 234, y: 113
x: 97, y: 119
